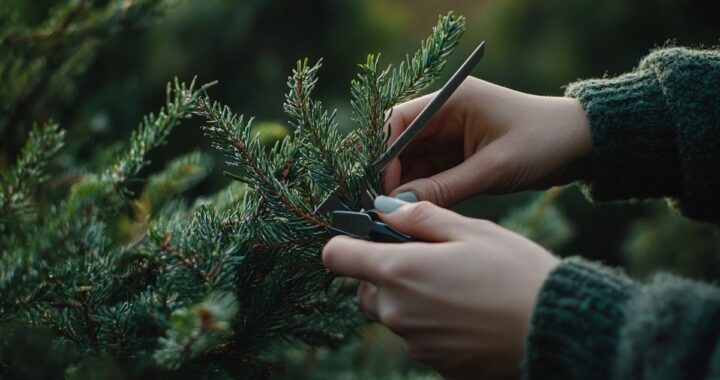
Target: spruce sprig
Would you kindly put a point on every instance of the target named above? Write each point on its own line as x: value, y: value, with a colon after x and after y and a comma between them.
x: 330, y: 159
x: 317, y: 130
x: 180, y: 100
x: 80, y: 221
x: 374, y: 91
x: 17, y: 185
x: 415, y: 74
x: 231, y: 134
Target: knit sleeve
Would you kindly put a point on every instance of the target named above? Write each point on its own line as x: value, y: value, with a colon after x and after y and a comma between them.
x: 591, y: 322
x: 574, y: 332
x: 671, y: 332
x: 656, y: 131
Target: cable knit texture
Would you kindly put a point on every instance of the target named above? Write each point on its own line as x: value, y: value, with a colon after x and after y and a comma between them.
x: 656, y: 132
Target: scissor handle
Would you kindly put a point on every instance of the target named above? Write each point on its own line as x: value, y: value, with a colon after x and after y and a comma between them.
x: 381, y: 232
x: 430, y: 109
x: 365, y: 225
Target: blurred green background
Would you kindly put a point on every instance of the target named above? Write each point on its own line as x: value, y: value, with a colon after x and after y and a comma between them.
x: 251, y: 46
x: 533, y: 46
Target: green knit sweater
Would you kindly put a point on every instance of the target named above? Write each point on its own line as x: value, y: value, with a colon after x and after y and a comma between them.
x: 655, y: 132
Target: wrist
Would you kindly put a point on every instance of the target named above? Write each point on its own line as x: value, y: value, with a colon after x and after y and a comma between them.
x: 581, y: 140
x: 635, y: 150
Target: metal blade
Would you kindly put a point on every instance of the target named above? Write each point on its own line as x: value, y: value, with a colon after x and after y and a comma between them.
x: 430, y: 109
x: 331, y: 203
x: 367, y: 200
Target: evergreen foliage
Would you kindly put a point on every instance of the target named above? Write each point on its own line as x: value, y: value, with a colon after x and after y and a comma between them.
x: 42, y: 57
x: 106, y: 271
x: 664, y: 241
x: 541, y: 220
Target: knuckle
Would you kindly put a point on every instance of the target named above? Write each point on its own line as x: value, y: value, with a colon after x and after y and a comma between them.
x: 393, y: 318
x: 501, y: 162
x: 416, y: 352
x: 362, y: 292
x: 440, y: 191
x: 366, y: 306
x: 483, y: 224
x: 393, y: 271
x: 420, y: 211
x: 365, y: 290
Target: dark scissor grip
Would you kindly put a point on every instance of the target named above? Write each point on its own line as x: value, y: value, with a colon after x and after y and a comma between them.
x: 366, y: 226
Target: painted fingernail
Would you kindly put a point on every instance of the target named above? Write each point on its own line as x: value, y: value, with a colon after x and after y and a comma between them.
x: 407, y: 196
x: 387, y: 204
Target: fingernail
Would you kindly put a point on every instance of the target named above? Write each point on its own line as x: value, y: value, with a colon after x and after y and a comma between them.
x: 387, y: 204
x: 407, y: 196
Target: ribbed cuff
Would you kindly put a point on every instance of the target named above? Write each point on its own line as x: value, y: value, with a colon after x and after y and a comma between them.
x: 634, y: 147
x: 576, y: 321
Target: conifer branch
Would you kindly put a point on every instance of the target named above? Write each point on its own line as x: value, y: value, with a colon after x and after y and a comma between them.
x: 283, y: 245
x: 230, y: 135
x: 415, y: 74
x: 316, y: 129
x: 63, y: 19
x: 374, y: 92
x: 17, y: 184
x: 154, y: 130
x: 368, y: 107
x: 70, y: 25
x: 83, y: 19
x: 182, y: 258
x: 221, y: 277
x: 197, y: 329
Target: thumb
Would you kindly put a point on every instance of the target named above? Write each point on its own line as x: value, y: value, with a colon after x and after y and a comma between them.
x: 422, y: 220
x: 472, y: 176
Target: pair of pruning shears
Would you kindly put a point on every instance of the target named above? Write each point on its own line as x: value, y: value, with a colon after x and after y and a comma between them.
x: 366, y: 224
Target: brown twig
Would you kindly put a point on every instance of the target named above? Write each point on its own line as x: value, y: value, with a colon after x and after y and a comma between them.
x: 89, y: 323
x: 281, y: 245
x: 180, y: 256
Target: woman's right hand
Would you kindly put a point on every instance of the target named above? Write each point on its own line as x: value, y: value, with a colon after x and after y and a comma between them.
x: 488, y: 139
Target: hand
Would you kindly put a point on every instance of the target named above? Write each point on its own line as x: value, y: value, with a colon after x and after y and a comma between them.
x: 488, y: 139
x: 463, y: 301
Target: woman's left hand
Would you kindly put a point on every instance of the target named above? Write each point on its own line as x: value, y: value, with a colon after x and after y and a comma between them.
x: 462, y: 301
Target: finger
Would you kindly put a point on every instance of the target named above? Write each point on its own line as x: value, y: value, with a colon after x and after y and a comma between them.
x: 422, y: 220
x: 403, y: 114
x: 428, y: 164
x: 392, y: 175
x: 351, y: 257
x: 368, y: 299
x: 475, y: 175
x: 400, y: 117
